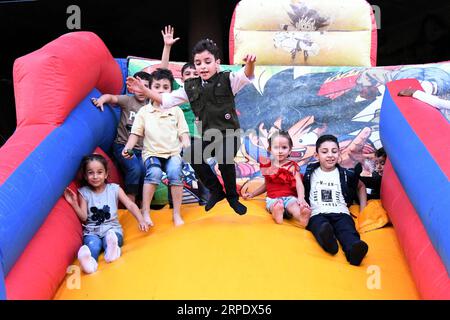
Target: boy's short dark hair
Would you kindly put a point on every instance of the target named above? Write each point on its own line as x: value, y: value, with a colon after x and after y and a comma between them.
x: 188, y: 65
x: 324, y: 138
x: 206, y: 45
x: 159, y: 74
x: 143, y: 75
x: 380, y: 153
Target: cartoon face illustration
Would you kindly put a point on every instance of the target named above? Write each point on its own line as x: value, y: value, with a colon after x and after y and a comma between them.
x: 303, y: 19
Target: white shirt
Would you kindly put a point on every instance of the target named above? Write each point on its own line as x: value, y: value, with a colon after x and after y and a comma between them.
x: 177, y: 97
x: 432, y: 100
x: 326, y: 193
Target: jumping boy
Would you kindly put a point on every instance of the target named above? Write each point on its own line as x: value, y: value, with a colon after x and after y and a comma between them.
x: 211, y: 96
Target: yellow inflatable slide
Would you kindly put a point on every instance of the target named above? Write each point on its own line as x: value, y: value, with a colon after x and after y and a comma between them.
x: 221, y: 255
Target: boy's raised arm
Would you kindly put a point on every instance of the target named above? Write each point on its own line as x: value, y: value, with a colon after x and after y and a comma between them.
x: 249, y: 70
x: 135, y: 85
x: 167, y: 34
x: 244, y: 76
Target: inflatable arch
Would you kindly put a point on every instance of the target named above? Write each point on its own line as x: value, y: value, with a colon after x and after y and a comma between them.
x: 313, y: 32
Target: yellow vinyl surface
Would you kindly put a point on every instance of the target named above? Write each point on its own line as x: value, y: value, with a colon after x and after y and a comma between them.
x: 221, y: 255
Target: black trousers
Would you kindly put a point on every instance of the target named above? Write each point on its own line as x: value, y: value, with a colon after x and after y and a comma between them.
x: 343, y: 225
x: 223, y: 147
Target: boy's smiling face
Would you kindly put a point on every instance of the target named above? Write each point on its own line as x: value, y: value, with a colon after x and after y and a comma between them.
x: 328, y: 155
x: 206, y: 64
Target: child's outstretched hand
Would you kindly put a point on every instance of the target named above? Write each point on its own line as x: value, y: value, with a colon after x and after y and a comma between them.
x: 249, y: 58
x: 249, y: 68
x: 167, y: 34
x: 135, y: 85
x: 247, y: 195
x: 71, y: 197
x: 302, y: 203
x: 143, y: 226
x: 98, y: 102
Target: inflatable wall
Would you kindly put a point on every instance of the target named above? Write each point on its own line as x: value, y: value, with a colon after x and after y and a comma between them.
x: 416, y: 185
x: 56, y: 126
x: 313, y: 32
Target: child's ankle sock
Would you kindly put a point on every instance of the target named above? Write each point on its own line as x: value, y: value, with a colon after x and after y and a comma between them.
x: 112, y: 247
x: 87, y: 262
x: 357, y: 253
x: 213, y: 199
x: 238, y: 207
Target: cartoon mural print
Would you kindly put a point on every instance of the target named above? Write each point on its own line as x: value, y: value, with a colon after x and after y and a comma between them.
x: 311, y: 101
x: 305, y: 20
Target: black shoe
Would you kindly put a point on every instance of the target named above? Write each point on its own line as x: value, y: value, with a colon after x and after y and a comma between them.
x: 213, y: 199
x: 238, y: 207
x: 327, y: 240
x: 357, y: 253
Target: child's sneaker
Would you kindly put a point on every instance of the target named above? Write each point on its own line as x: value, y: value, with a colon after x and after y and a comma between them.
x: 112, y: 251
x: 357, y: 253
x: 87, y: 262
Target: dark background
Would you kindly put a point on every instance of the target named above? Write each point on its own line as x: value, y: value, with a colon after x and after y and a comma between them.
x: 412, y: 32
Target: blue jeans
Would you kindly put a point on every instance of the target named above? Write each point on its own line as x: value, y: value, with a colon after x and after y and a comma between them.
x: 95, y: 244
x: 133, y: 169
x: 172, y: 167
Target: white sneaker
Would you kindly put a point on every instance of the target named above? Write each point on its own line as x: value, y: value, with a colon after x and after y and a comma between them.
x: 87, y: 262
x: 112, y: 247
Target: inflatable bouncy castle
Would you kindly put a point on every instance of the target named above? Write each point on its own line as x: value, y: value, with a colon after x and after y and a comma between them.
x: 220, y: 255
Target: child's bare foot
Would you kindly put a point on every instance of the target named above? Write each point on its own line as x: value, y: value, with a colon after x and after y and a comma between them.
x: 147, y: 218
x: 278, y: 211
x: 87, y: 262
x: 305, y: 214
x: 177, y: 220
